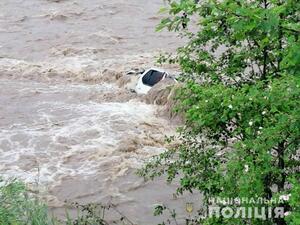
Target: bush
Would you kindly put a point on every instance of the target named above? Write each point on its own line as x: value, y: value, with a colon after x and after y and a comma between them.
x: 17, y: 207
x: 241, y: 107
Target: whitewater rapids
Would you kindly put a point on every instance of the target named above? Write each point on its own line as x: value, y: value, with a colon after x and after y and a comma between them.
x: 68, y: 125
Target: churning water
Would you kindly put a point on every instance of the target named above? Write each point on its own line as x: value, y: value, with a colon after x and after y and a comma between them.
x: 66, y: 124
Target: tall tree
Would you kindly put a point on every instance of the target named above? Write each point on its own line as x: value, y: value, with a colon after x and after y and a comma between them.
x: 240, y: 102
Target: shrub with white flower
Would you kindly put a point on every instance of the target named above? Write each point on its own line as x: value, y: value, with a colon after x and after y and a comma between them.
x: 260, y: 67
x: 246, y: 168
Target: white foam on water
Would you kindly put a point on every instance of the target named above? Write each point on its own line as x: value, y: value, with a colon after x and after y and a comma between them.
x: 63, y: 117
x: 60, y: 135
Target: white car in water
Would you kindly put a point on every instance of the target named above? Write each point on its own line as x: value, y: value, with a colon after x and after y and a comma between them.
x: 148, y: 79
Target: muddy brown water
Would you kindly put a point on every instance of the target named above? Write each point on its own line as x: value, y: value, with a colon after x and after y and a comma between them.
x: 67, y: 127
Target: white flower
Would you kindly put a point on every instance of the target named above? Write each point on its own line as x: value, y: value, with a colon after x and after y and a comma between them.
x: 287, y: 213
x: 250, y: 99
x: 260, y: 128
x: 206, y: 101
x: 284, y: 197
x: 250, y: 123
x: 246, y: 168
x: 264, y: 112
x: 230, y: 107
x: 258, y: 132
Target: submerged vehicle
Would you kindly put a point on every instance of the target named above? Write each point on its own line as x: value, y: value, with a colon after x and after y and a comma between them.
x: 148, y: 79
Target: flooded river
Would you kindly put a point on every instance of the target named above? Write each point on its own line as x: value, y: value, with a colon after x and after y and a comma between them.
x: 66, y: 124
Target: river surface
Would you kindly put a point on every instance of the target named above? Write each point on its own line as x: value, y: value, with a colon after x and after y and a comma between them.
x: 67, y: 127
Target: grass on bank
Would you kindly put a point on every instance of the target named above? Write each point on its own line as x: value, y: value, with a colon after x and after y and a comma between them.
x: 20, y: 207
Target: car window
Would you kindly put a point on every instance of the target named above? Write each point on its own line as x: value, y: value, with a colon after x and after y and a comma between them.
x: 152, y: 77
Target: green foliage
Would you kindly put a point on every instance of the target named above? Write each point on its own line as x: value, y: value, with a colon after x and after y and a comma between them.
x: 17, y: 207
x: 294, y: 216
x: 237, y: 40
x: 240, y: 102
